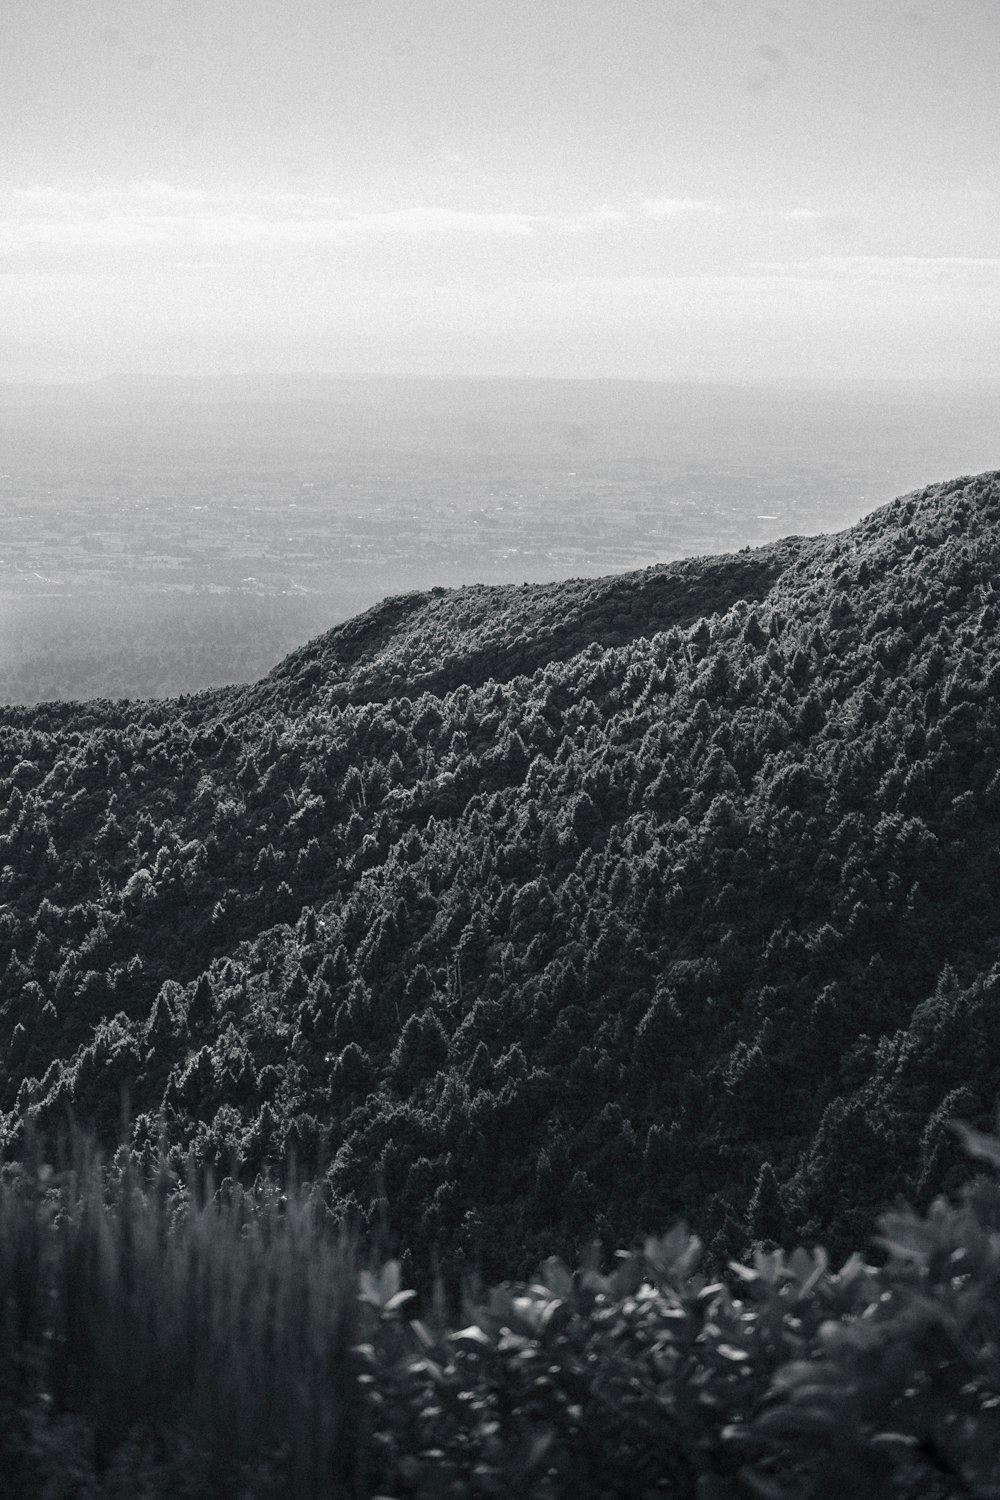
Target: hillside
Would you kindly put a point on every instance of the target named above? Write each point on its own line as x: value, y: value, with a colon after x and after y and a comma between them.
x: 520, y: 912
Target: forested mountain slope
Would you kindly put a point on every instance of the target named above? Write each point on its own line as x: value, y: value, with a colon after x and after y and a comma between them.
x: 517, y: 912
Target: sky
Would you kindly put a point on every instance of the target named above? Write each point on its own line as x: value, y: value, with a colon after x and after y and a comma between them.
x: 653, y: 189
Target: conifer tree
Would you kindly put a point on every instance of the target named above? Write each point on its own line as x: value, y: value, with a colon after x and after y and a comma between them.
x: 766, y: 1214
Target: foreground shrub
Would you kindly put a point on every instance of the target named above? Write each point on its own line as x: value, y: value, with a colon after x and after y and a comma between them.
x: 903, y: 1396
x: 641, y: 1383
x: 790, y: 1382
x: 156, y: 1345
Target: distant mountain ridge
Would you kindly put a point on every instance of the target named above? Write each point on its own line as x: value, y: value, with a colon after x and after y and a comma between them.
x: 510, y: 629
x: 506, y: 630
x: 516, y: 913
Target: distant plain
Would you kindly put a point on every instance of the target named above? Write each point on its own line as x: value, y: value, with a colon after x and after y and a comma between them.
x: 163, y: 536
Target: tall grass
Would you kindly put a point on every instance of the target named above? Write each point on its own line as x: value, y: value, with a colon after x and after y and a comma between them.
x: 156, y: 1344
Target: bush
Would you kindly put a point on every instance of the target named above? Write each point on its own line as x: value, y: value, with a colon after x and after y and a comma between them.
x: 157, y: 1343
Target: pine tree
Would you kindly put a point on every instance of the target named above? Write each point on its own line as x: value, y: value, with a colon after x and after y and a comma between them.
x: 201, y: 1011
x: 766, y: 1213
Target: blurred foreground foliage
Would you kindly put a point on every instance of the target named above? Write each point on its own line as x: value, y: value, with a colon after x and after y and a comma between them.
x: 156, y: 1341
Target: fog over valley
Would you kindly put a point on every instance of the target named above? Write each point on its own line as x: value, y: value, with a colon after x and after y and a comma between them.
x: 160, y: 536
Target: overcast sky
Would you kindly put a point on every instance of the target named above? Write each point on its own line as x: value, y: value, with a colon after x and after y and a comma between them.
x: 706, y: 189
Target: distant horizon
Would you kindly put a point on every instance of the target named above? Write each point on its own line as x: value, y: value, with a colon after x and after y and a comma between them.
x: 164, y: 377
x: 249, y: 511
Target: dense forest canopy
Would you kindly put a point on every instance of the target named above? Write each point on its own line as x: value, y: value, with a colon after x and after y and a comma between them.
x: 516, y: 913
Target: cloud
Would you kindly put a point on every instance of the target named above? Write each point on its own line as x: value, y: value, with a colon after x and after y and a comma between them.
x: 162, y: 220
x: 886, y: 268
x: 678, y: 208
x: 158, y: 216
